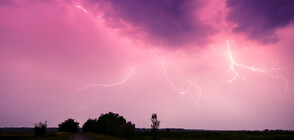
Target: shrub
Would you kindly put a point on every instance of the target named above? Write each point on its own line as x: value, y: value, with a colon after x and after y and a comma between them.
x: 40, y: 129
x: 110, y: 124
x: 91, y: 126
x: 69, y: 125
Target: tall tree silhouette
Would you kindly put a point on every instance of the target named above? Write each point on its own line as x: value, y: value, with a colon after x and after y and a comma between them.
x: 155, y: 125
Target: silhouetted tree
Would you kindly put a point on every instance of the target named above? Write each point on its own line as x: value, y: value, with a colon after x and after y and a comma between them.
x: 40, y: 129
x: 155, y: 125
x: 110, y: 124
x: 127, y: 130
x: 69, y: 125
x: 91, y: 126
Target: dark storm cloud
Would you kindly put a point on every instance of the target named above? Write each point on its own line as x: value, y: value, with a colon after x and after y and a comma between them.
x: 259, y: 19
x: 171, y: 22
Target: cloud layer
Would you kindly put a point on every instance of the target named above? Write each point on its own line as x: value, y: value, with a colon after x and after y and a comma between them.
x: 259, y: 19
x: 170, y: 22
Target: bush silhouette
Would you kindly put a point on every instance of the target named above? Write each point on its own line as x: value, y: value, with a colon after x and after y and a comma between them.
x: 69, y: 125
x: 110, y: 124
x: 91, y: 126
x: 40, y: 129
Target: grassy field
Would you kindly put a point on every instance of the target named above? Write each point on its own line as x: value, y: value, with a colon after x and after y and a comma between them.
x: 164, y: 135
x: 219, y: 135
x: 30, y: 136
x: 100, y: 137
x: 204, y: 135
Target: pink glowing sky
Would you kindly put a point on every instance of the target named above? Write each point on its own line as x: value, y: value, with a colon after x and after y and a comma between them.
x: 51, y: 49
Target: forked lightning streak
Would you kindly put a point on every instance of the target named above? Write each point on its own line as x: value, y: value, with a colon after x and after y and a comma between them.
x: 110, y: 84
x: 188, y: 88
x: 265, y: 71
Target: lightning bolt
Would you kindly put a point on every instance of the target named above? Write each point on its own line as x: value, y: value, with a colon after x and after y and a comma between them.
x: 188, y: 88
x: 264, y: 71
x: 110, y: 84
x: 80, y: 7
x: 233, y: 63
x: 99, y: 18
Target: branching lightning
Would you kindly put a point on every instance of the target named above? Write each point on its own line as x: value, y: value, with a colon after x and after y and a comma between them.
x: 233, y: 65
x: 110, y: 84
x: 101, y: 20
x: 188, y: 88
x: 262, y: 70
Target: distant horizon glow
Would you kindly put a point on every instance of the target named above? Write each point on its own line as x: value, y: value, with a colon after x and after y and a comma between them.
x: 79, y: 59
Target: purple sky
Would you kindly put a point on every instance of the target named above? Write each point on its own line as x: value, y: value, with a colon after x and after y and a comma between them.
x: 78, y: 59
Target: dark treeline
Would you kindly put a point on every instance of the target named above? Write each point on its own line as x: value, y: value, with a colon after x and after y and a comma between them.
x: 110, y: 124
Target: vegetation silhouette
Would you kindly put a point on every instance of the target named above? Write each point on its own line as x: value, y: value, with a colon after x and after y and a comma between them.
x: 91, y: 125
x: 110, y: 124
x: 40, y: 129
x: 69, y: 125
x: 155, y: 125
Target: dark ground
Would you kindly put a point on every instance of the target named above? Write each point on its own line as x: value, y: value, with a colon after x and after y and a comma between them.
x: 146, y: 134
x: 78, y: 137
